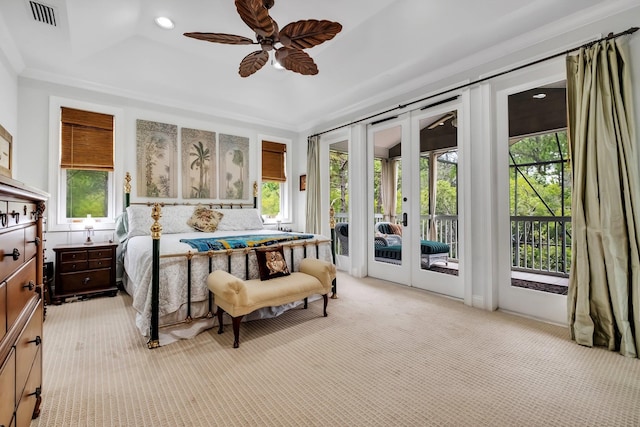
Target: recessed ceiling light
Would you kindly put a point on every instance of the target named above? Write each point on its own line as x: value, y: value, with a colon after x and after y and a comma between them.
x: 164, y: 22
x: 540, y: 95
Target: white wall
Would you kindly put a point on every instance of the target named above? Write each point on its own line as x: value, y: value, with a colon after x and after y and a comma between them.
x: 9, y: 96
x: 39, y: 144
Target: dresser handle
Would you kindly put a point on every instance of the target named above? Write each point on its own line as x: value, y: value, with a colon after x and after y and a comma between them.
x: 30, y: 285
x: 38, y: 340
x: 3, y: 219
x: 85, y: 280
x: 15, y: 215
x: 36, y: 393
x: 15, y: 254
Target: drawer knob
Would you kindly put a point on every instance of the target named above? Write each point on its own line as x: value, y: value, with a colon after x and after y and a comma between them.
x: 37, y: 341
x: 31, y: 286
x: 15, y: 254
x: 85, y: 280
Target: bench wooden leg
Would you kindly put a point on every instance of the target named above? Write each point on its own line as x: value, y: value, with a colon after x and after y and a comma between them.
x: 326, y: 300
x: 236, y: 331
x: 306, y: 301
x: 220, y: 328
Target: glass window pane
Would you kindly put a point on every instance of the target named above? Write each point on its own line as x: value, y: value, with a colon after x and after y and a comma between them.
x: 270, y: 202
x: 87, y: 193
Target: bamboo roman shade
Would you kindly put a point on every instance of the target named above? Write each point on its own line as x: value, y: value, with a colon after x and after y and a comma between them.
x: 87, y: 140
x: 273, y: 161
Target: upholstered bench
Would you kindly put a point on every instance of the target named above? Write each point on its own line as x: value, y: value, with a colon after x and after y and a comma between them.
x: 239, y: 297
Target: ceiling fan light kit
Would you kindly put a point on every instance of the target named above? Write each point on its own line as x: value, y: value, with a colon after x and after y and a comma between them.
x: 287, y: 43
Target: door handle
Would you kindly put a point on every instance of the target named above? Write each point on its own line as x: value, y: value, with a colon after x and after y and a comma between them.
x: 405, y: 219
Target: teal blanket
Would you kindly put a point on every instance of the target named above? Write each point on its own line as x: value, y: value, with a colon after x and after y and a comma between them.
x: 239, y: 242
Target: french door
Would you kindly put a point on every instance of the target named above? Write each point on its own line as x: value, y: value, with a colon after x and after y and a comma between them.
x: 413, y: 176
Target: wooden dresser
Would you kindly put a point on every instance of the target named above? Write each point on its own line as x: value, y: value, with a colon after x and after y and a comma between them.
x: 83, y: 270
x: 21, y: 303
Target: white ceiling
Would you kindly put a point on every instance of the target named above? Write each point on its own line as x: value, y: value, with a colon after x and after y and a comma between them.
x: 114, y: 46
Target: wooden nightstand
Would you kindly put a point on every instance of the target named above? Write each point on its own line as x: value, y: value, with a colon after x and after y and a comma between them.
x: 84, y: 270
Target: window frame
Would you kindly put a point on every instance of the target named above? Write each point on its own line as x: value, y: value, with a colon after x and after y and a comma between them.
x: 286, y: 188
x: 57, y: 219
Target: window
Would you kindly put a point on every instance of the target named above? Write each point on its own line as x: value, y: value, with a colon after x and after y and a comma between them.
x: 274, y: 161
x: 86, y: 164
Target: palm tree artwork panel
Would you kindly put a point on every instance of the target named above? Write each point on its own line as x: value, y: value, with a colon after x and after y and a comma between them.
x: 234, y: 167
x: 156, y: 159
x: 198, y: 164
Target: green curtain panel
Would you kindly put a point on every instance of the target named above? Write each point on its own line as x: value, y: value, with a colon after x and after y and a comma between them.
x: 604, y: 300
x: 313, y: 185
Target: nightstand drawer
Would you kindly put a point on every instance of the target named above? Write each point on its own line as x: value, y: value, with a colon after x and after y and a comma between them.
x: 73, y: 256
x: 99, y: 263
x: 100, y: 253
x: 86, y: 280
x: 71, y: 267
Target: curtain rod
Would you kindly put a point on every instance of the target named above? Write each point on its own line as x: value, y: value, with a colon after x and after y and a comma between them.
x: 492, y: 76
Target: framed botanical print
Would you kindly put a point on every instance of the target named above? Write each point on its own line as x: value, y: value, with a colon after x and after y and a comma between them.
x: 6, y: 141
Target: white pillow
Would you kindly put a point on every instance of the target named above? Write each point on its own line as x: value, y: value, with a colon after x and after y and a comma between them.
x: 173, y: 219
x: 240, y: 219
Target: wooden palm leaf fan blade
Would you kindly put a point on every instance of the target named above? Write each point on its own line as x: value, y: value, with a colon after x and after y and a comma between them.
x: 220, y: 38
x: 256, y: 16
x: 296, y: 60
x: 253, y: 62
x: 308, y: 33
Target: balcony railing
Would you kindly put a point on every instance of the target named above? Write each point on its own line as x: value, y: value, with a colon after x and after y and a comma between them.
x: 539, y: 244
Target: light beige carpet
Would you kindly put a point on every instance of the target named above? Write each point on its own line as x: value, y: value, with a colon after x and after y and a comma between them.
x: 386, y: 356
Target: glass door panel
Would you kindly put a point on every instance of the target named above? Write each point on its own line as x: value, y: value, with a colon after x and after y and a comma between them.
x: 387, y: 248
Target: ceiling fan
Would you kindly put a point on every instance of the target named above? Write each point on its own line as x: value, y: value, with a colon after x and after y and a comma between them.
x: 288, y: 42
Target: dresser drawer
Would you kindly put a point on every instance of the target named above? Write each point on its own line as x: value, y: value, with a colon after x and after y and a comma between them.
x: 31, y: 244
x: 8, y: 389
x: 89, y: 280
x: 3, y: 210
x: 21, y: 213
x: 30, y: 397
x: 3, y: 310
x: 27, y: 347
x: 72, y: 267
x: 20, y: 289
x: 12, y: 243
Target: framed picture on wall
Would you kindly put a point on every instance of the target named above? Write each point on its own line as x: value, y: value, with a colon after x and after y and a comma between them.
x: 6, y: 141
x: 303, y: 182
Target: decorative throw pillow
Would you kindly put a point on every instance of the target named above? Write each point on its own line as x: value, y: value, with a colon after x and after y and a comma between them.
x: 271, y: 263
x: 396, y: 229
x: 205, y: 219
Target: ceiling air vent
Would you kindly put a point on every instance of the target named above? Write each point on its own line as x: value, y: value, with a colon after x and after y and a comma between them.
x: 43, y: 13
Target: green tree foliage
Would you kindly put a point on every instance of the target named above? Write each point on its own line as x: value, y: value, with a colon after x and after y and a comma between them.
x: 339, y: 181
x: 270, y: 201
x: 87, y: 193
x: 538, y: 172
